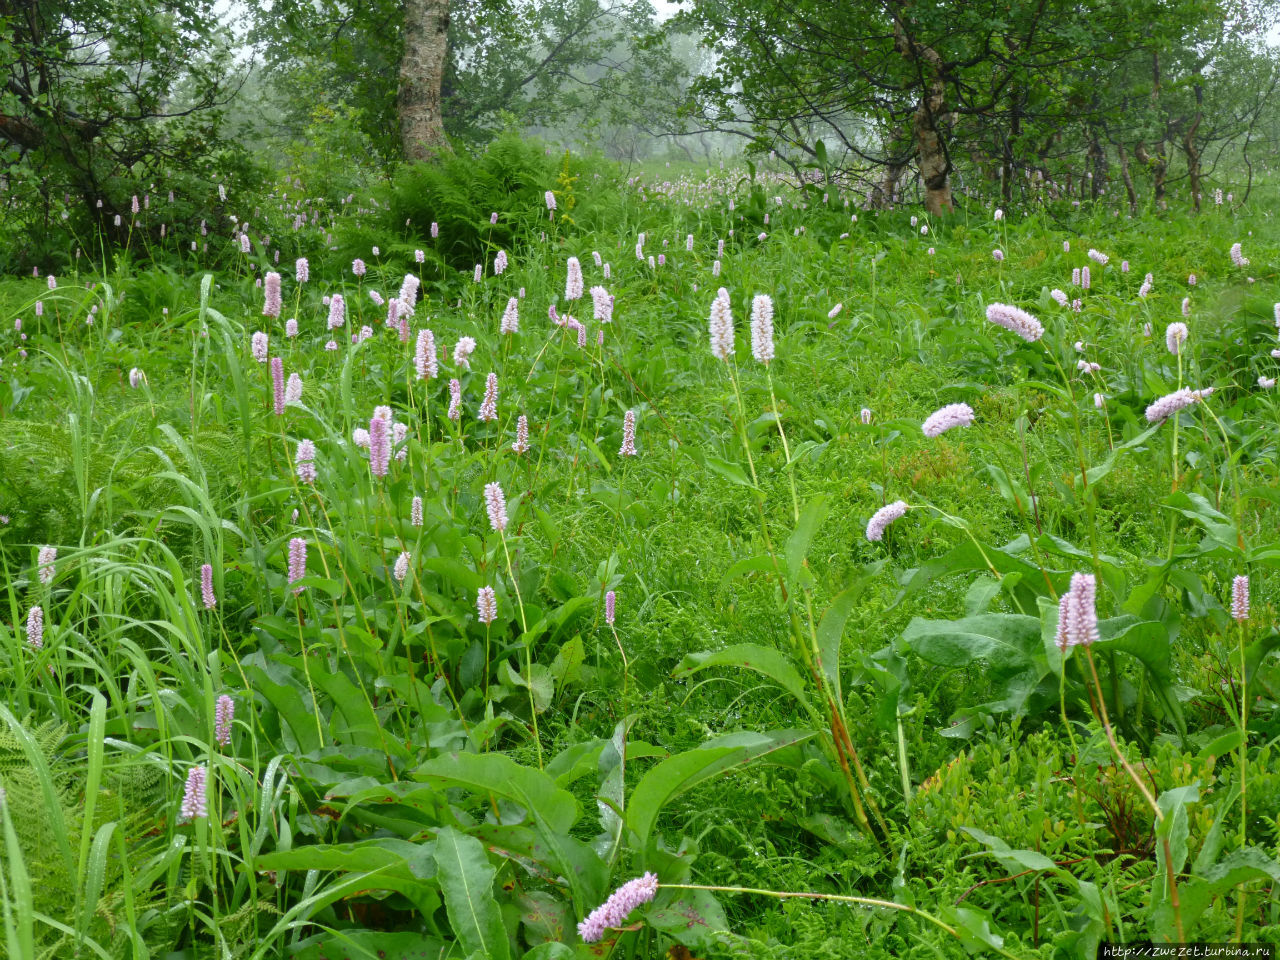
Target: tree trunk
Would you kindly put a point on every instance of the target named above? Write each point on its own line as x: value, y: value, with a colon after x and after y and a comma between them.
x: 1127, y: 177
x: 1190, y: 148
x: 426, y: 47
x: 930, y: 119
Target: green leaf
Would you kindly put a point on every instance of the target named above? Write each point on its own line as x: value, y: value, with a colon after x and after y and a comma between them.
x: 831, y: 629
x: 1008, y: 644
x: 751, y: 656
x: 466, y: 878
x: 674, y: 776
x: 730, y: 471
x: 498, y: 774
x: 1015, y: 861
x: 368, y: 945
x: 814, y: 512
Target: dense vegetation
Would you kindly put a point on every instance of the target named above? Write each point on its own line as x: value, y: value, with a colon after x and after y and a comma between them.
x: 309, y: 650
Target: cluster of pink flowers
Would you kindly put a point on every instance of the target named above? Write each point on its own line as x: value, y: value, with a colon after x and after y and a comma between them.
x: 206, y: 586
x: 881, y: 519
x: 195, y: 800
x: 521, y: 444
x: 486, y: 605
x: 304, y: 460
x: 628, y: 448
x: 496, y: 505
x: 762, y: 328
x: 1240, y: 599
x: 613, y: 912
x: 1171, y: 403
x: 946, y: 418
x: 1077, y: 613
x: 1017, y: 320
x: 224, y: 713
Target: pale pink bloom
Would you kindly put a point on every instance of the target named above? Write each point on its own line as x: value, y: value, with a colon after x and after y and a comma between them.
x: 401, y: 569
x: 415, y: 512
x: 1171, y: 403
x: 379, y: 446
x: 358, y: 267
x: 998, y: 255
x: 831, y: 314
x: 195, y: 800
x: 762, y: 328
x: 291, y: 328
x: 489, y: 406
x: 521, y: 444
x: 1266, y: 383
x: 602, y: 304
x: 1175, y: 335
x: 1240, y: 599
x: 613, y: 912
x: 946, y: 418
x: 496, y: 505
x: 35, y: 627
x: 424, y: 356
x: 1017, y: 320
x: 881, y: 519
x: 1238, y: 257
x: 271, y: 295
x: 304, y: 460
x: 462, y: 351
x: 277, y: 385
x: 1078, y: 613
x: 259, y: 346
x: 224, y: 713
x: 511, y: 317
x: 1186, y: 306
x: 206, y: 586
x: 337, y: 311
x: 628, y: 448
x: 455, y: 400
x: 865, y: 415
x: 1098, y: 257
x: 486, y: 605
x: 721, y: 325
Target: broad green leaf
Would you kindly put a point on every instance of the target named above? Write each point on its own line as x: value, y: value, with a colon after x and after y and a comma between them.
x: 797, y: 549
x: 1015, y: 861
x: 368, y: 945
x: 751, y: 656
x: 497, y: 774
x: 466, y: 878
x: 674, y: 776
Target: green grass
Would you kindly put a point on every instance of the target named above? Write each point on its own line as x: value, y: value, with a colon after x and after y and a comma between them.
x: 354, y: 696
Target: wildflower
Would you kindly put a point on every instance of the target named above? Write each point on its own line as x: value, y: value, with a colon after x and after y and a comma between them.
x: 1066, y: 246
x: 1237, y: 257
x: 1061, y: 298
x: 1240, y: 599
x: 865, y: 416
x: 601, y: 304
x: 259, y: 344
x: 606, y: 271
x: 424, y: 356
x: 1078, y: 613
x: 358, y: 267
x: 1017, y: 320
x: 304, y: 460
x: 379, y: 446
x: 52, y: 282
x: 46, y: 558
x: 486, y: 605
x: 408, y: 295
x: 715, y: 268
x: 762, y: 328
x: 1099, y: 401
x: 297, y: 561
x: 195, y: 802
x: 277, y: 385
x: 136, y: 377
x: 946, y: 418
x: 1186, y: 306
x: 496, y: 504
x: 244, y: 239
x: 997, y: 255
x: 35, y: 627
x: 206, y: 586
x: 1175, y: 335
x: 521, y: 444
x: 435, y: 230
x: 1146, y: 287
x: 462, y: 351
x: 1146, y: 330
x: 881, y: 519
x: 499, y: 262
x: 1266, y: 383
x: 628, y: 448
x: 613, y: 912
x: 224, y: 712
x: 999, y: 215
x: 931, y: 251
x: 610, y: 607
x: 688, y: 243
x: 419, y: 256
x: 401, y: 569
x: 479, y: 273
x: 924, y: 230
x: 1085, y: 366
x: 455, y: 399
x: 293, y: 389
x: 337, y: 311
x: 1075, y: 277
x: 271, y: 295
x: 831, y: 314
x: 1084, y: 278
x: 1098, y: 257
x: 549, y: 197
x: 1171, y: 403
x: 489, y: 405
x: 376, y: 297
x: 291, y: 328
x: 652, y: 265
x: 1124, y: 266
x: 1191, y: 279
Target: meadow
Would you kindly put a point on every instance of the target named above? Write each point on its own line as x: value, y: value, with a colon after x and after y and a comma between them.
x: 557, y: 561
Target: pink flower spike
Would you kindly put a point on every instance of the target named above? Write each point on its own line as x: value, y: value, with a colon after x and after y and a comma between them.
x: 613, y: 912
